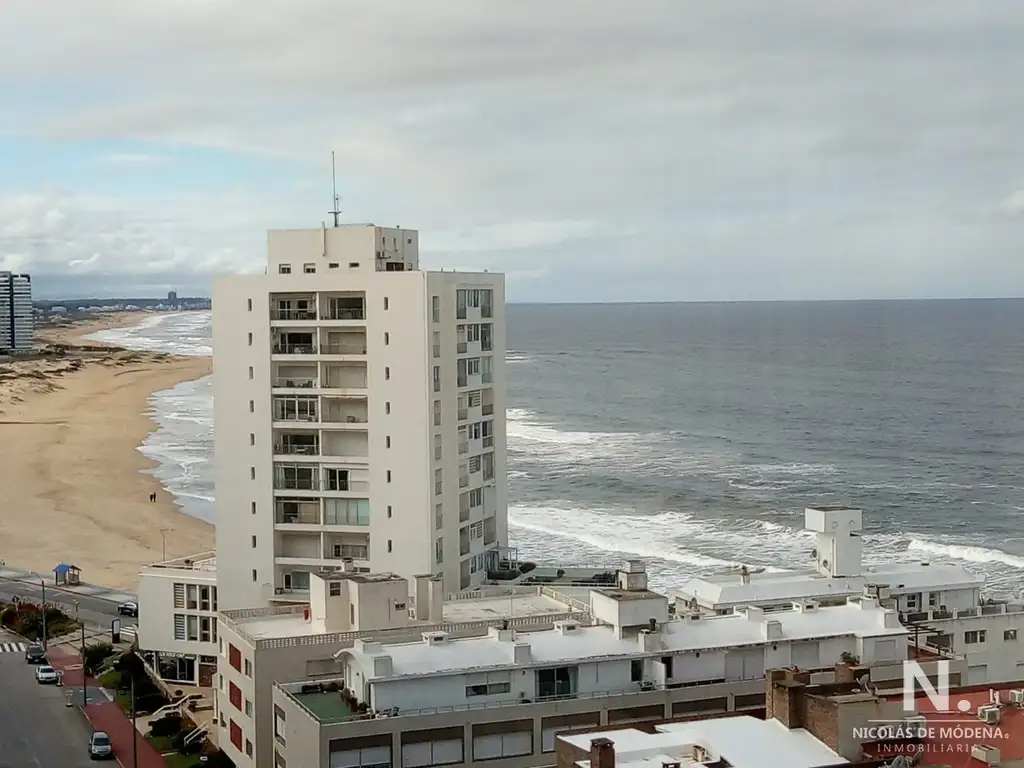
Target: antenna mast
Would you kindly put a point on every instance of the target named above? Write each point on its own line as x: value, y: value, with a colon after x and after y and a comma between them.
x: 334, y: 184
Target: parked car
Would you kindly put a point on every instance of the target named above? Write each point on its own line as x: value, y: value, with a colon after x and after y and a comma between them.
x: 100, y: 747
x: 130, y: 608
x: 46, y: 675
x: 35, y: 654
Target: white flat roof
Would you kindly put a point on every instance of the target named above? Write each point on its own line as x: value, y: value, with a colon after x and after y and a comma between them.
x: 795, y: 585
x: 744, y: 741
x: 602, y: 642
x: 456, y: 611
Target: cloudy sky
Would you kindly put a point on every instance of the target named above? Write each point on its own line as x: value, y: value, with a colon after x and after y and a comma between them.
x: 594, y: 150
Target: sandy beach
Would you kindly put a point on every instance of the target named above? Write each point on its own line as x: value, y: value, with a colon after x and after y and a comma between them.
x: 74, y: 490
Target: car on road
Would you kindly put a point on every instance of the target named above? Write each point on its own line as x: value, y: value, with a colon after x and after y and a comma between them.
x: 100, y: 747
x: 46, y: 675
x: 130, y: 608
x: 35, y: 654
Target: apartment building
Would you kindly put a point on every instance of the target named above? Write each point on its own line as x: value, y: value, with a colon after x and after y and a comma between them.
x: 16, y: 314
x: 262, y: 646
x: 177, y: 627
x: 360, y: 416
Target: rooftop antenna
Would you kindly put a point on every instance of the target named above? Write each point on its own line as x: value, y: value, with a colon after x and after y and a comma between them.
x: 334, y: 184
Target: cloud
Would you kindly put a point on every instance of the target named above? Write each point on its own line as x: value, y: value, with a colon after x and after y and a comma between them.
x: 1014, y: 204
x: 670, y: 147
x: 131, y: 158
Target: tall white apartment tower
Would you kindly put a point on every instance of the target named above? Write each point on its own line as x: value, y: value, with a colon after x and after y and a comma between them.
x: 359, y: 416
x: 16, y: 315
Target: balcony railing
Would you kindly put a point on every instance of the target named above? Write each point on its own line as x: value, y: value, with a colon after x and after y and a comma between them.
x: 342, y: 349
x: 296, y: 383
x: 297, y: 483
x: 302, y: 517
x: 486, y: 377
x: 289, y: 449
x: 349, y: 551
x: 281, y: 348
x: 308, y: 418
x: 279, y: 313
x: 460, y: 347
x: 463, y: 481
x: 486, y: 310
x: 489, y: 441
x: 347, y: 313
x: 463, y: 414
x: 343, y: 419
x: 487, y: 409
x: 463, y: 448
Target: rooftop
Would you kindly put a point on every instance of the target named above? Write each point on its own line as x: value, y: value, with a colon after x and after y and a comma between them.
x: 324, y: 705
x: 201, y: 561
x: 744, y: 741
x: 530, y: 602
x: 793, y: 585
x: 864, y: 619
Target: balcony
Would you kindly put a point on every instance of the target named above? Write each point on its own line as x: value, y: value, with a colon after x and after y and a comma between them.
x: 296, y: 513
x: 487, y: 409
x: 297, y: 445
x: 288, y: 348
x: 351, y: 348
x: 288, y: 313
x: 343, y: 307
x: 295, y: 383
x: 296, y: 478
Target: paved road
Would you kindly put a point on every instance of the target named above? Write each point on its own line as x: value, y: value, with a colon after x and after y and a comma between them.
x: 37, y: 729
x: 92, y: 609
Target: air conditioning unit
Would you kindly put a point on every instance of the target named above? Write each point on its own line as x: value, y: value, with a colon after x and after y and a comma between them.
x: 989, y: 714
x: 986, y: 754
x: 916, y: 726
x: 1017, y: 697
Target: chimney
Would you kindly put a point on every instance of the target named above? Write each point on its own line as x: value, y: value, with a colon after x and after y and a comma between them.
x: 784, y: 696
x: 602, y: 753
x: 652, y: 625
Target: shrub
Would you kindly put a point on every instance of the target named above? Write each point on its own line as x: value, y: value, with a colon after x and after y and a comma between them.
x: 502, y: 575
x: 526, y: 567
x: 560, y: 573
x: 26, y: 620
x: 96, y: 655
x: 168, y: 725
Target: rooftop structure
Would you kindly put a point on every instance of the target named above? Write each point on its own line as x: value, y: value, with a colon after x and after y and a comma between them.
x: 313, y: 471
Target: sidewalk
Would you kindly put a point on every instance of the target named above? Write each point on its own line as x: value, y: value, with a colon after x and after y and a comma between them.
x: 106, y: 715
x: 89, y: 590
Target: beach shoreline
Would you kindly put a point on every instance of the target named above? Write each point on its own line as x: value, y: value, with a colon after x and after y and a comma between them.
x: 76, y: 484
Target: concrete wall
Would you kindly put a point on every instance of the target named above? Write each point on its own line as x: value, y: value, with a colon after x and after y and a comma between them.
x: 158, y: 611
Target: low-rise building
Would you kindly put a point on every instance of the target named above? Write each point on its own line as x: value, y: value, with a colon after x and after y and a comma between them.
x: 503, y: 697
x: 177, y: 627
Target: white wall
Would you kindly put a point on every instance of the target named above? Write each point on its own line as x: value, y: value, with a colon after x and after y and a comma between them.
x: 157, y: 610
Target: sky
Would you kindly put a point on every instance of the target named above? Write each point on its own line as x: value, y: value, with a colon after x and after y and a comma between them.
x: 593, y: 150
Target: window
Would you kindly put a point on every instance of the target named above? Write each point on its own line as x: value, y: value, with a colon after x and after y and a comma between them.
x: 353, y: 265
x: 385, y: 303
x: 1009, y: 634
x: 252, y: 507
x: 254, y: 574
x: 248, y: 708
x: 387, y: 373
x: 204, y: 598
x: 346, y: 511
x: 389, y: 475
x: 437, y: 409
x: 252, y: 373
x: 436, y: 352
x: 179, y: 626
x: 439, y: 550
x: 252, y: 473
x: 309, y: 269
x: 438, y: 516
x: 437, y: 447
x: 234, y: 657
x: 335, y: 479
x: 438, y: 484
x: 636, y: 670
x: 192, y: 597
x: 435, y: 309
x: 387, y: 338
x: 974, y: 636
x: 476, y: 530
x: 284, y: 269
x: 389, y: 545
x: 252, y: 439
x: 389, y: 510
x: 492, y: 684
x: 460, y: 304
x: 437, y: 378
x: 236, y: 735
x: 254, y: 542
x: 250, y: 339
x: 207, y: 629
x: 556, y: 682
x: 248, y: 744
x: 387, y: 407
x: 933, y: 599
x: 248, y: 668
x: 387, y: 441
x: 332, y: 265
x: 252, y: 403
x: 249, y: 304
x: 334, y: 588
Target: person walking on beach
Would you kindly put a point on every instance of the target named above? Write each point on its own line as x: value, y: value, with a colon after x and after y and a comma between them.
x: 152, y: 498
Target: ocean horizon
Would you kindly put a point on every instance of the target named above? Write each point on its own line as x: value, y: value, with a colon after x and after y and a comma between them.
x: 703, y: 430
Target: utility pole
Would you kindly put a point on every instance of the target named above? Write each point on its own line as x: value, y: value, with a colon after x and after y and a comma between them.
x: 85, y: 695
x: 163, y: 544
x: 42, y: 583
x: 135, y: 731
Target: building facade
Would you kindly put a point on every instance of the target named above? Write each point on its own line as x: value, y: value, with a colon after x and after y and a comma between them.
x: 177, y: 627
x: 16, y: 314
x: 360, y: 416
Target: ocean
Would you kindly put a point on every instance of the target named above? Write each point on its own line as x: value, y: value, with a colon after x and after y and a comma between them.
x: 693, y: 435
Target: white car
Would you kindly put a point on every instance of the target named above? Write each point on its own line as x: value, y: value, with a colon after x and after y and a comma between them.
x: 46, y: 675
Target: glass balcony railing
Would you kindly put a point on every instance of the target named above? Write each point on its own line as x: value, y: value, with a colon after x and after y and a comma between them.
x: 285, y: 313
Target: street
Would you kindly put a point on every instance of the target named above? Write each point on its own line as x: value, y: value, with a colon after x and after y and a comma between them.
x: 92, y: 609
x: 37, y: 730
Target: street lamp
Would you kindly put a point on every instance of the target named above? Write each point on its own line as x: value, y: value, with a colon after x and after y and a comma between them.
x: 42, y: 583
x: 163, y: 544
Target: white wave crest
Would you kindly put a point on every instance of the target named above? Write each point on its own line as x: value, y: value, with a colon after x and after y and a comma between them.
x: 967, y: 553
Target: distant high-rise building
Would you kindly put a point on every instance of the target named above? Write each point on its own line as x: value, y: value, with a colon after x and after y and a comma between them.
x: 172, y: 295
x: 16, y: 321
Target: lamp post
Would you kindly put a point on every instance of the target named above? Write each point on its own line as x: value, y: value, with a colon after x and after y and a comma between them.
x: 163, y: 544
x: 42, y: 584
x: 135, y: 730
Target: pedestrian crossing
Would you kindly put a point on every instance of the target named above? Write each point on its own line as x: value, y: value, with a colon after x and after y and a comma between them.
x: 12, y: 647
